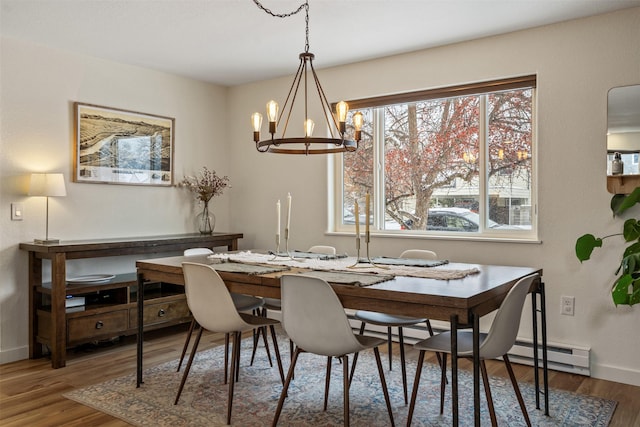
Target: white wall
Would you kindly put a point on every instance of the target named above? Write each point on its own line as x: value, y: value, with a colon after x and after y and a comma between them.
x: 576, y: 62
x: 39, y: 86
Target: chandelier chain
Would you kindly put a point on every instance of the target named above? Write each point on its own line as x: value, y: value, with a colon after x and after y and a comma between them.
x: 304, y: 6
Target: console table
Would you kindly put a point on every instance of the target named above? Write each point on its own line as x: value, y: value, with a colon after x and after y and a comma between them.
x: 110, y: 309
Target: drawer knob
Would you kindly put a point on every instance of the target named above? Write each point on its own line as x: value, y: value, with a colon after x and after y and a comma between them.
x: 161, y: 312
x: 99, y: 324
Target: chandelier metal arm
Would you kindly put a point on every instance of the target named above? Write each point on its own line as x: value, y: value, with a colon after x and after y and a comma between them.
x: 326, y: 107
x: 296, y: 84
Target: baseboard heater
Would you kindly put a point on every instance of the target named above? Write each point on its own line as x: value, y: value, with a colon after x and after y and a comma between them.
x: 560, y: 357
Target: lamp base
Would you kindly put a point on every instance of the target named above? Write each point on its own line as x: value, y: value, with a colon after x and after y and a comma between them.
x: 46, y: 241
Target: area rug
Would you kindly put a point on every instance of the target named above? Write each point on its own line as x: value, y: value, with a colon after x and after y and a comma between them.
x: 204, y: 399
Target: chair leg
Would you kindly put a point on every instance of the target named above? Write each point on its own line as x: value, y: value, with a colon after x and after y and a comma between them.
x: 226, y: 357
x: 385, y: 390
x: 277, y: 351
x: 487, y: 392
x: 186, y: 343
x: 285, y: 388
x: 256, y: 338
x: 516, y: 388
x: 345, y: 392
x: 389, y: 346
x: 188, y: 368
x: 416, y: 383
x: 443, y: 381
x: 263, y: 332
x: 402, y: 362
x: 327, y: 381
x: 235, y: 361
x: 291, y: 351
x: 355, y: 356
x: 438, y: 355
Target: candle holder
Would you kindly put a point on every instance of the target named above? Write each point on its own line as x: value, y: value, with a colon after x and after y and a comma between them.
x: 355, y: 265
x: 286, y: 253
x: 364, y: 262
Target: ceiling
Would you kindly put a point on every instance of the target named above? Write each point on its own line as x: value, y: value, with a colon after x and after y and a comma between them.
x: 232, y: 42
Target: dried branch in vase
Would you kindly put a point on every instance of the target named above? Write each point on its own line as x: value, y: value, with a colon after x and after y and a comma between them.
x: 206, y: 184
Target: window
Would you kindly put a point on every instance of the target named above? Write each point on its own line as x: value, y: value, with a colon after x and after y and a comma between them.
x: 449, y: 161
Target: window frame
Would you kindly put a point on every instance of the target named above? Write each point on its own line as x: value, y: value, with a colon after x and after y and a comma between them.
x: 336, y: 166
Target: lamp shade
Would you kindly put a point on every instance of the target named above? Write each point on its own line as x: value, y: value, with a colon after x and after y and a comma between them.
x: 47, y: 184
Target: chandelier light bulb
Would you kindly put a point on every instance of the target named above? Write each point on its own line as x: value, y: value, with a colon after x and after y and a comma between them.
x: 272, y: 115
x: 342, y: 108
x: 256, y: 121
x: 308, y: 127
x: 358, y: 121
x: 272, y: 110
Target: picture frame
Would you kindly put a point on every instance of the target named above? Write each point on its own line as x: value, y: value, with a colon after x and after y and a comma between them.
x: 115, y: 146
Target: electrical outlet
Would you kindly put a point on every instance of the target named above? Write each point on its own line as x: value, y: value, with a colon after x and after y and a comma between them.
x: 567, y: 305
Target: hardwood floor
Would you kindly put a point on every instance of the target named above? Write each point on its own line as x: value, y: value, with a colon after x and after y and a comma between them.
x: 31, y: 392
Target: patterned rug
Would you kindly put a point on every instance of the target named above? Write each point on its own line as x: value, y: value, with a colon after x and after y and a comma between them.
x: 203, y: 401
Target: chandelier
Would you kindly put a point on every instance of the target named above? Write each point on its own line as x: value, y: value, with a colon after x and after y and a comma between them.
x: 336, y: 121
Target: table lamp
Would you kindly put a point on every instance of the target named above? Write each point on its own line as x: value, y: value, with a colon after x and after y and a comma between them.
x: 47, y: 185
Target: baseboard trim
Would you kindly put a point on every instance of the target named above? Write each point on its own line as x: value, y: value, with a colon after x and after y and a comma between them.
x: 617, y: 374
x: 13, y: 355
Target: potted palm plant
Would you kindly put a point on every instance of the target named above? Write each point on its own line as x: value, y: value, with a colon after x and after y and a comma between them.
x: 626, y: 288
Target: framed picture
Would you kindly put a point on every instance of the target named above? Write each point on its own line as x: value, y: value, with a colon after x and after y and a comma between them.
x: 116, y: 146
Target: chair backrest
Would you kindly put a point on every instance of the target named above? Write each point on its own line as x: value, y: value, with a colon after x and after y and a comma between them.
x: 418, y: 254
x: 327, y: 250
x: 504, y: 329
x: 313, y: 316
x: 197, y: 251
x: 209, y: 300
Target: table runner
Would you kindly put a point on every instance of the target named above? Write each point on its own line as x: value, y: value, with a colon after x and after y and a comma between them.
x: 348, y: 278
x: 251, y: 269
x: 314, y: 255
x: 410, y: 262
x: 347, y: 265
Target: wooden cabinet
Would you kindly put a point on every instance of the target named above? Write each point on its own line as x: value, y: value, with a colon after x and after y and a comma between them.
x: 110, y: 308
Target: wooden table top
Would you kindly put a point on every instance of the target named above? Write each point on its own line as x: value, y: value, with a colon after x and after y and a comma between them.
x: 478, y: 293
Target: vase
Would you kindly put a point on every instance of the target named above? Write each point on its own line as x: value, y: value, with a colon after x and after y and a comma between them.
x: 205, y: 220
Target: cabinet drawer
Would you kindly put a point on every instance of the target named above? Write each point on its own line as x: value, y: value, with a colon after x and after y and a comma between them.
x: 163, y: 312
x: 96, y: 325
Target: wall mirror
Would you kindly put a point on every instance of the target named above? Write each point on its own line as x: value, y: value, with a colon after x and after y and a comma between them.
x: 623, y: 128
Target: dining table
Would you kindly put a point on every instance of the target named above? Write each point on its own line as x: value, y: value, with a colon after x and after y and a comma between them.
x: 459, y: 293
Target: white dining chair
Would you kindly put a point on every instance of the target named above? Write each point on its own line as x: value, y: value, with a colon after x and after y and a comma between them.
x: 419, y: 254
x: 321, y: 249
x: 496, y: 343
x: 246, y: 303
x: 213, y: 308
x: 322, y: 328
x: 274, y: 303
x: 391, y: 320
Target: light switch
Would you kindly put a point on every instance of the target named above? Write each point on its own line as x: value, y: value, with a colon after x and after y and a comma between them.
x: 16, y: 212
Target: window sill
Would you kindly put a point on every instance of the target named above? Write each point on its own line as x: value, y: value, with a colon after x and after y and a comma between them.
x: 465, y: 238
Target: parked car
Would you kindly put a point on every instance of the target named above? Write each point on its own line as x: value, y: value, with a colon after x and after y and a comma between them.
x: 455, y: 219
x: 441, y: 219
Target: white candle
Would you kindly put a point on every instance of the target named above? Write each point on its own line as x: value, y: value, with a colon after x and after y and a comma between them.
x: 278, y: 216
x: 288, y: 210
x: 357, y: 213
x: 368, y: 204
